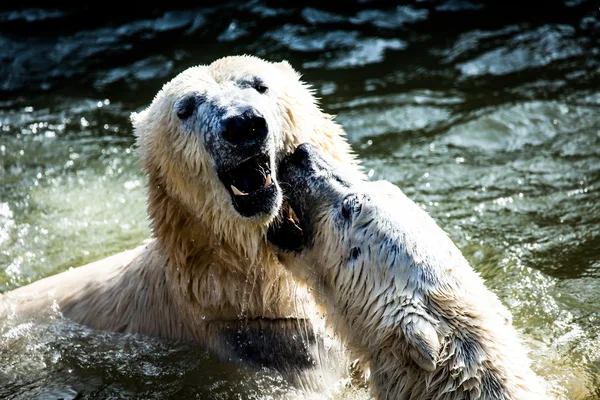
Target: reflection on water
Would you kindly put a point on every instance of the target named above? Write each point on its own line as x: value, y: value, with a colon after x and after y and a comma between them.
x: 487, y: 117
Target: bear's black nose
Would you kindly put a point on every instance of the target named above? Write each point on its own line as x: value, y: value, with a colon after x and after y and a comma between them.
x: 301, y: 156
x: 245, y: 128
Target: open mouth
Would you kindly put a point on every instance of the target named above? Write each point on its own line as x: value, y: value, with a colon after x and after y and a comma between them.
x: 250, y: 176
x: 286, y: 232
x: 290, y: 217
x: 251, y: 186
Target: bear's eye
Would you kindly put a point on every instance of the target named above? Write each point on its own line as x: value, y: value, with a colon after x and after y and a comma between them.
x: 259, y: 86
x: 187, y: 105
x: 350, y: 205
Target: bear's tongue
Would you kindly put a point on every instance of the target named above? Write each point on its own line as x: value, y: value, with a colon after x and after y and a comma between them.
x: 250, y: 176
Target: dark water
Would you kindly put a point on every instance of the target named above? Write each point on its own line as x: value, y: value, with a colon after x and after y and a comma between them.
x: 485, y: 113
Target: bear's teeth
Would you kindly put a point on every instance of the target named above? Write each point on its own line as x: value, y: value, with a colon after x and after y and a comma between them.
x: 237, y: 191
x: 267, y: 181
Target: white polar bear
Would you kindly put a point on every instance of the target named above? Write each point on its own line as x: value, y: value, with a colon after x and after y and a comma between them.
x: 209, y: 144
x: 396, y: 288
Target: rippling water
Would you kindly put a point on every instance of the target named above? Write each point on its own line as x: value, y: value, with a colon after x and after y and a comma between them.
x: 485, y: 114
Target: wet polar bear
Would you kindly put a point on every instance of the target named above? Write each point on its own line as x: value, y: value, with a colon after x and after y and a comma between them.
x: 209, y: 144
x: 396, y: 288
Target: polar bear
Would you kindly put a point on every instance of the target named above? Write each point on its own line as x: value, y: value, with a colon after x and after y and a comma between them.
x: 209, y: 144
x: 396, y: 288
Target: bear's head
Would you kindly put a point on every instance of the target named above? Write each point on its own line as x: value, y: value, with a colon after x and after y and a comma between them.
x: 326, y: 204
x: 212, y: 138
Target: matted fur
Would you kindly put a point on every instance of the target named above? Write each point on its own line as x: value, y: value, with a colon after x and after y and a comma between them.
x: 400, y: 293
x: 208, y: 270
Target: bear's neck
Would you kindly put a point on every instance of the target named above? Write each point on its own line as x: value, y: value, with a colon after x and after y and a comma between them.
x: 210, y: 274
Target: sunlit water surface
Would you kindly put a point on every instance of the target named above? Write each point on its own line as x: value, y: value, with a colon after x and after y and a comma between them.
x: 485, y: 117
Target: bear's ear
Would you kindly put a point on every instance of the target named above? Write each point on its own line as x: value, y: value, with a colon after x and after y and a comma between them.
x: 138, y: 118
x: 422, y: 340
x: 287, y: 68
x: 133, y: 117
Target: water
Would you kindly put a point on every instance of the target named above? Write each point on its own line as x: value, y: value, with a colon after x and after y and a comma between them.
x: 485, y: 114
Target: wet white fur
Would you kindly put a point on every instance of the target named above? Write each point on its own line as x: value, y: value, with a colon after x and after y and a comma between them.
x: 410, y: 306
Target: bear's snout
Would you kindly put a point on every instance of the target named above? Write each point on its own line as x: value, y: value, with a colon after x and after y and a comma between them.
x: 301, y: 156
x: 309, y: 159
x: 247, y: 128
x: 299, y: 166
